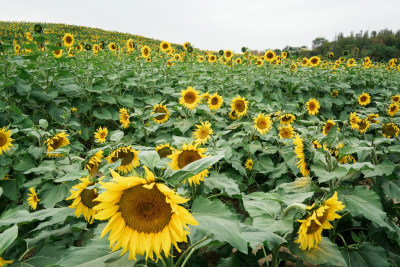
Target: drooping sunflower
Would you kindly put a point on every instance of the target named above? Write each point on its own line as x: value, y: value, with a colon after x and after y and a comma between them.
x: 239, y: 105
x: 124, y: 117
x: 270, y: 56
x: 146, y: 51
x: 314, y: 61
x: 84, y: 199
x: 101, y: 134
x: 396, y: 98
x: 165, y: 46
x: 393, y: 109
x: 163, y: 113
x: 310, y: 231
x: 262, y: 123
x: 364, y: 99
x: 205, y: 97
x: 164, y: 150
x: 55, y: 142
x: 312, y: 106
x: 354, y: 119
x: 287, y: 118
x: 189, y: 98
x: 93, y: 164
x: 215, y: 101
x: 389, y: 130
x: 68, y: 40
x: 33, y: 199
x: 130, y: 45
x: 299, y: 151
x: 189, y: 153
x: 249, y: 164
x: 335, y: 93
x: 113, y: 47
x: 145, y: 217
x: 286, y: 131
x: 328, y: 126
x: 203, y: 132
x: 5, y: 140
x: 129, y: 157
x: 372, y: 118
x: 228, y: 54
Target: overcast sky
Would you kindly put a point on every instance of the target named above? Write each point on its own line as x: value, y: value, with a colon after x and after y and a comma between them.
x: 216, y: 24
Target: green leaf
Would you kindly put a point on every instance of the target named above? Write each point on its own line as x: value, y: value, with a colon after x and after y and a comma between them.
x: 325, y: 253
x: 7, y: 237
x: 45, y: 166
x: 324, y: 175
x: 257, y: 236
x: 51, y: 197
x: 193, y: 169
x: 223, y: 183
x: 127, y: 101
x: 72, y: 176
x: 21, y: 86
x: 102, y: 114
x: 385, y: 168
x: 184, y: 125
x: 116, y: 136
x: 392, y: 189
x: 20, y: 216
x: 47, y: 234
x: 366, y: 255
x: 364, y: 202
x: 348, y: 150
x: 149, y: 158
x: 217, y: 221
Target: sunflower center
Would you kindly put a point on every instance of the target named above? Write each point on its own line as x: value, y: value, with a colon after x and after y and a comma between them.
x: 285, y: 133
x: 392, y: 108
x: 262, y: 123
x: 311, y: 106
x: 165, y: 46
x: 329, y: 126
x: 57, y: 142
x: 363, y: 98
x: 145, y: 210
x: 362, y: 124
x: 286, y: 118
x: 203, y: 133
x: 270, y: 55
x: 389, y: 130
x: 314, y: 61
x: 103, y: 135
x: 87, y: 197
x: 164, y: 152
x: 126, y: 157
x: 214, y: 101
x: 160, y: 110
x: 187, y: 157
x: 239, y: 105
x: 190, y: 97
x: 68, y: 39
x: 3, y: 139
x: 314, y: 226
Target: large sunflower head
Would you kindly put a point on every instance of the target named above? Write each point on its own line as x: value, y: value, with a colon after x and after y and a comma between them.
x: 215, y: 101
x: 314, y: 61
x: 84, y: 199
x: 212, y: 58
x: 163, y: 113
x: 145, y: 217
x: 93, y: 164
x: 239, y: 105
x: 129, y: 157
x: 190, y: 98
x: 364, y: 99
x: 165, y: 46
x: 203, y: 132
x: 389, y: 130
x: 312, y: 106
x: 68, y: 40
x: 55, y: 142
x: 130, y: 45
x: 186, y: 45
x: 5, y: 140
x: 270, y: 56
x: 124, y: 117
x: 393, y: 109
x: 262, y: 123
x: 146, y: 51
x: 113, y: 47
x: 287, y: 118
x: 286, y: 131
x: 328, y: 126
x: 188, y: 154
x: 164, y: 150
x: 305, y: 62
x: 228, y: 54
x: 33, y: 199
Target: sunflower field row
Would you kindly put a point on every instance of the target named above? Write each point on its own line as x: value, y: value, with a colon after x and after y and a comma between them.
x: 123, y: 153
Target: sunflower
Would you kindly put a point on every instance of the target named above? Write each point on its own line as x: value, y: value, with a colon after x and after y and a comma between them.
x: 203, y: 132
x: 205, y: 97
x: 259, y: 63
x: 124, y: 117
x: 393, y: 109
x: 215, y: 101
x: 55, y: 142
x: 270, y: 56
x: 286, y: 131
x: 238, y: 61
x: 354, y: 119
x: 299, y: 151
x: 262, y: 123
x: 113, y: 47
x: 335, y: 93
x: 232, y: 115
x: 364, y: 99
x: 144, y: 216
x: 4, y: 262
x: 314, y: 61
x: 239, y: 105
x: 390, y: 130
x: 5, y: 140
x: 146, y: 51
x: 372, y: 118
x: 249, y: 164
x: 328, y: 126
x: 163, y: 113
x: 189, y: 98
x: 330, y: 55
x: 200, y: 59
x: 130, y: 45
x: 68, y: 40
x: 396, y: 98
x: 165, y: 46
x: 33, y: 199
x: 293, y: 67
x: 164, y: 150
x: 284, y: 55
x: 287, y: 118
x: 170, y: 63
x: 177, y: 57
x: 351, y: 62
x: 93, y: 164
x: 17, y: 48
x: 188, y: 154
x: 129, y: 157
x: 78, y: 48
x: 186, y: 45
x: 310, y: 231
x: 312, y: 106
x: 148, y: 59
x: 228, y: 54
x: 304, y: 62
x: 96, y: 49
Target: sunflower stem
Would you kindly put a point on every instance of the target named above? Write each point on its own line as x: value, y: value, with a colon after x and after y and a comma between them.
x: 189, y: 252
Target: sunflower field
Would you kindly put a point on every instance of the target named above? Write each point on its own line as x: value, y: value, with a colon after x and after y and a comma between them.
x: 125, y: 153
